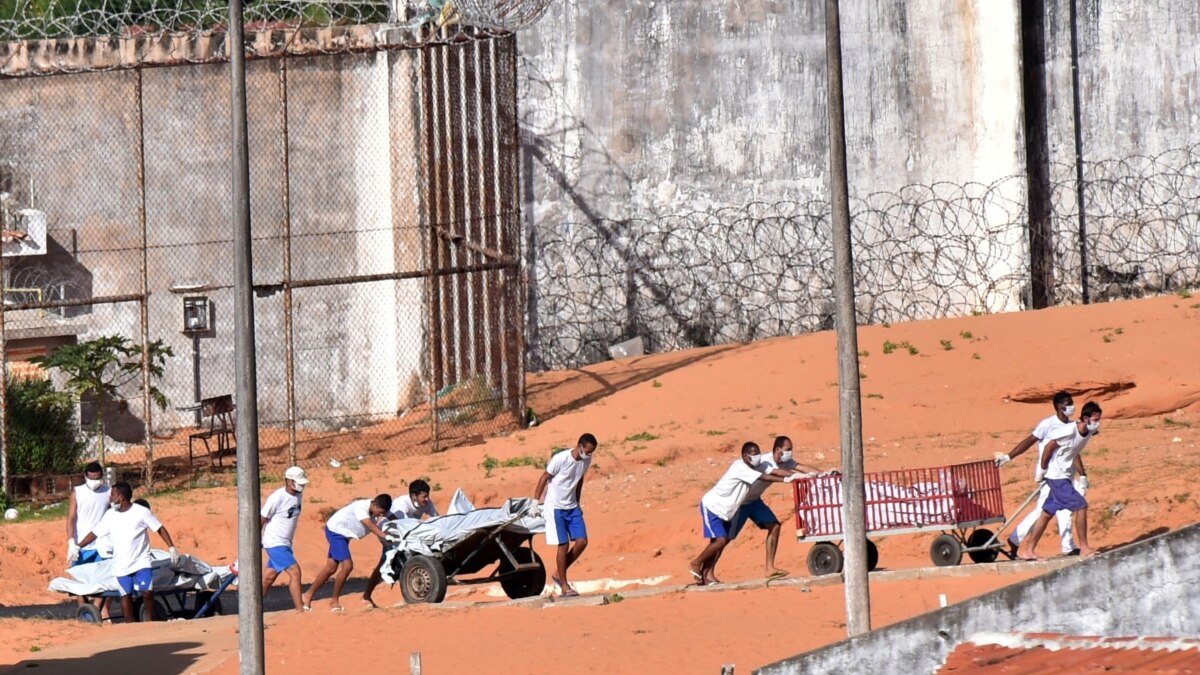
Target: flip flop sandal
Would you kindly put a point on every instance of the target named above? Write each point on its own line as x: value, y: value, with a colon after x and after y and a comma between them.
x: 570, y: 593
x: 337, y: 609
x: 778, y: 574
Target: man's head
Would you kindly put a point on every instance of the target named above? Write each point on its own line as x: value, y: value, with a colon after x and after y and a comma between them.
x: 93, y: 476
x: 587, y: 445
x: 381, y: 505
x: 750, y: 453
x: 418, y: 492
x: 782, y: 449
x: 295, y: 479
x: 122, y: 493
x: 1089, y: 418
x: 1064, y: 405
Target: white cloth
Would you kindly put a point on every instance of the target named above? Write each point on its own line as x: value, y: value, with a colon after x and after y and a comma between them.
x: 730, y: 491
x: 90, y: 507
x: 566, y: 472
x: 766, y: 464
x: 97, y: 578
x: 348, y: 520
x: 1062, y: 462
x: 130, y: 534
x: 403, y: 507
x: 282, y: 511
x: 1050, y: 429
x: 1064, y: 523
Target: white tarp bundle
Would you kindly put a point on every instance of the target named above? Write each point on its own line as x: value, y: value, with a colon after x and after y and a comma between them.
x: 97, y: 578
x: 434, y: 536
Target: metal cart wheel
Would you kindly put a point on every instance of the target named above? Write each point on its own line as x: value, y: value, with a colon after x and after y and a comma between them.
x: 88, y: 613
x: 872, y: 556
x: 161, y: 613
x: 423, y: 579
x: 525, y: 583
x: 824, y: 558
x: 946, y: 551
x: 978, y: 539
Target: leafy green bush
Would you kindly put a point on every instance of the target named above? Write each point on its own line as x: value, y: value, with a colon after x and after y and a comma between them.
x: 42, y: 431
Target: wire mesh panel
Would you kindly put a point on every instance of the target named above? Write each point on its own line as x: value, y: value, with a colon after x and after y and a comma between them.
x: 386, y: 257
x: 907, y: 500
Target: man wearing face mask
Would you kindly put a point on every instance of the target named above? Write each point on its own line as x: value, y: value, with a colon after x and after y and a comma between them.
x: 562, y: 485
x: 1057, y: 463
x: 780, y: 463
x: 280, y: 515
x: 720, y: 505
x: 88, y: 504
x: 1058, y: 425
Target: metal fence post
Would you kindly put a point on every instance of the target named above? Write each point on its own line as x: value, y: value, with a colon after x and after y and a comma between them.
x: 285, y: 193
x: 1080, y: 186
x: 143, y: 309
x: 4, y: 475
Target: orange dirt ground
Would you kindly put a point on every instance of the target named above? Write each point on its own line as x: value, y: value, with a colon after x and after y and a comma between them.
x: 668, y: 425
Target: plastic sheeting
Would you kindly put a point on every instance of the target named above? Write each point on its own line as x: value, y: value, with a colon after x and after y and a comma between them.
x: 97, y: 578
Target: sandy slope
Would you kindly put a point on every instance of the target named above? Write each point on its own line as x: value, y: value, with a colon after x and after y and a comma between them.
x: 978, y: 394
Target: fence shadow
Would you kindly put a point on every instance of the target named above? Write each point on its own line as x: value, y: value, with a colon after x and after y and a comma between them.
x: 166, y: 657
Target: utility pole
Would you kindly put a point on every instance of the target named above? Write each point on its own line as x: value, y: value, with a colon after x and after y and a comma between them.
x: 250, y: 606
x: 858, y: 600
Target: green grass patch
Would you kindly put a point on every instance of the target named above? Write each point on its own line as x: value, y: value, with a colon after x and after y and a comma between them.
x: 344, y: 478
x: 525, y: 460
x: 1171, y: 422
x: 947, y: 345
x: 656, y: 384
x: 641, y: 436
x: 714, y: 432
x: 1184, y: 293
x: 874, y: 395
x: 966, y: 335
x: 976, y: 356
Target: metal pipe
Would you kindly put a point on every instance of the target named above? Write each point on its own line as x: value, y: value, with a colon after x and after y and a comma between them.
x: 858, y: 601
x: 196, y: 375
x: 388, y: 276
x: 143, y: 309
x: 250, y: 608
x: 84, y: 302
x: 288, y: 344
x: 4, y: 475
x: 1080, y: 186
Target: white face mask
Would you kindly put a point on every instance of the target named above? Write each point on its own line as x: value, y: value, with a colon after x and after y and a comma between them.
x: 297, y: 487
x: 785, y: 456
x: 1068, y: 410
x: 1093, y: 428
x: 93, y: 484
x: 753, y: 461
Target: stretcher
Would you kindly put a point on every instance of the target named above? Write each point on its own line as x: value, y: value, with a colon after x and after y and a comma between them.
x: 957, y: 500
x: 190, y: 589
x: 424, y: 557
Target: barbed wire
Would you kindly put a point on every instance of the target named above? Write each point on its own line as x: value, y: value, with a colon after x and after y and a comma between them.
x: 738, y: 274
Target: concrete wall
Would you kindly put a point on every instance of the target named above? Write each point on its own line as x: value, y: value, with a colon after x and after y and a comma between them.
x: 644, y: 120
x: 1139, y: 590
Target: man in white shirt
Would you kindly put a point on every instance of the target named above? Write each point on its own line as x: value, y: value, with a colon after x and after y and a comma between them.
x: 352, y: 521
x: 127, y: 525
x: 562, y: 486
x: 1054, y: 426
x: 780, y: 463
x: 1055, y: 466
x: 720, y: 504
x: 88, y: 504
x: 280, y: 515
x: 416, y: 504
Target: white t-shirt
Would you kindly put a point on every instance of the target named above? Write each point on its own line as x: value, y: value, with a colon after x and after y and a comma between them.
x: 348, y: 520
x: 282, y: 511
x: 403, y: 507
x: 1050, y: 429
x: 1062, y: 462
x: 90, y: 507
x: 766, y: 464
x: 565, y: 472
x: 728, y: 494
x: 129, y: 532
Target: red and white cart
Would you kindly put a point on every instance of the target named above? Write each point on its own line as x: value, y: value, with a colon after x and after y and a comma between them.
x: 956, y: 500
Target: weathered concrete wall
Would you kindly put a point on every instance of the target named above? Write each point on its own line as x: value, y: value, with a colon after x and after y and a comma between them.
x: 352, y: 192
x: 1139, y: 590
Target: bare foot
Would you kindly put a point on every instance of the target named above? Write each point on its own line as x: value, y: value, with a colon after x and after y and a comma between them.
x: 1086, y: 552
x: 1026, y: 555
x: 712, y: 579
x: 696, y: 574
x: 369, y: 604
x: 776, y: 573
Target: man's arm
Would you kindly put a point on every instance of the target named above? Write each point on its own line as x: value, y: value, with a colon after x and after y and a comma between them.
x: 374, y: 529
x: 87, y: 539
x: 262, y: 524
x: 540, y: 490
x: 1020, y: 448
x: 1048, y: 453
x: 773, y: 478
x: 579, y: 489
x: 72, y: 513
x: 166, y: 536
x: 1079, y: 470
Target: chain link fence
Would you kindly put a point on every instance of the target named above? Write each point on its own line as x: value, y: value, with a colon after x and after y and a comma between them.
x: 386, y: 248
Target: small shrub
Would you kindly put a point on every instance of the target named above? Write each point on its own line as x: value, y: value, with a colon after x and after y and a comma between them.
x: 889, y: 346
x: 966, y: 335
x: 656, y: 384
x: 874, y: 395
x: 947, y: 345
x: 976, y: 356
x: 1184, y: 293
x: 911, y: 349
x: 489, y: 464
x: 642, y: 436
x: 41, y: 433
x: 344, y: 478
x: 525, y: 460
x: 1118, y: 330
x: 1107, y: 338
x: 714, y: 432
x: 864, y: 354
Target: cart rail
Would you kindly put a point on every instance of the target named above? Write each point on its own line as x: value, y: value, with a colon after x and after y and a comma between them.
x: 903, y: 501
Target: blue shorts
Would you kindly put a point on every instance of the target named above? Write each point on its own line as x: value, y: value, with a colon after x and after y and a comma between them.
x: 138, y: 582
x: 88, y: 555
x: 280, y: 558
x: 339, y: 546
x: 757, y: 511
x: 1063, y: 497
x: 714, y: 527
x: 568, y: 526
